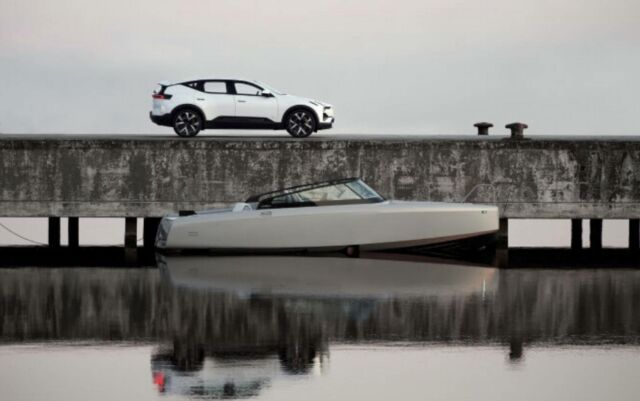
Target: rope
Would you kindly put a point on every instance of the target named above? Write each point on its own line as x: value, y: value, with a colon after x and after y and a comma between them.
x: 43, y: 244
x: 22, y: 236
x: 122, y: 243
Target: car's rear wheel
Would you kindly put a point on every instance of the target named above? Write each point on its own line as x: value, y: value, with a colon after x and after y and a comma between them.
x: 187, y: 123
x: 300, y: 123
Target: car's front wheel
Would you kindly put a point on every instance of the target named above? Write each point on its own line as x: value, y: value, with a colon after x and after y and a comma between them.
x: 187, y: 123
x: 300, y: 123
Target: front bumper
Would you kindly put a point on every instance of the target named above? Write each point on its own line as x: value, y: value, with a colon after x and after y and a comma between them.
x: 162, y: 119
x: 326, y: 125
x: 163, y: 231
x: 327, y: 118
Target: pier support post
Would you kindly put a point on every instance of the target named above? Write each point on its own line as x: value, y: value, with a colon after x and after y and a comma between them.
x: 502, y: 244
x: 130, y: 233
x: 130, y: 240
x: 54, y: 232
x: 516, y: 349
x: 503, y: 234
x: 634, y: 233
x: 595, y: 233
x: 576, y: 233
x: 149, y: 228
x: 74, y: 232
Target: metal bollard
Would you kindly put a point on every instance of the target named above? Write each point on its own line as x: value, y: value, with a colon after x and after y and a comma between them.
x: 483, y: 128
x: 517, y: 130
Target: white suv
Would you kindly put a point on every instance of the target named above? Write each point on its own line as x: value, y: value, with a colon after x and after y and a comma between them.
x: 192, y: 106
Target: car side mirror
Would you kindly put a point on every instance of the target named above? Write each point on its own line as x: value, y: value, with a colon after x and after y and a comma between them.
x: 266, y: 93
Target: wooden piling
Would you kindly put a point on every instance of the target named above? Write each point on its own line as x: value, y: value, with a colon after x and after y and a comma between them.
x: 634, y: 233
x: 149, y: 229
x: 54, y: 232
x: 130, y: 233
x: 576, y: 233
x: 74, y: 232
x: 595, y: 233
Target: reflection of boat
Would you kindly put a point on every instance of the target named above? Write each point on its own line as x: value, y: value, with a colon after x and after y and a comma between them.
x: 326, y: 276
x: 326, y: 216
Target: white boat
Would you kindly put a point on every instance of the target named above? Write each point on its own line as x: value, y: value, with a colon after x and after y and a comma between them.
x: 325, y: 216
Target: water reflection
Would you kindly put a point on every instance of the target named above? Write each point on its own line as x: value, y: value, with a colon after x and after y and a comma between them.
x: 374, y: 277
x: 216, y: 376
x: 227, y: 327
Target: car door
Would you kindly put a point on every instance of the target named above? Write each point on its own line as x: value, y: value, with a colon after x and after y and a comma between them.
x: 250, y: 103
x: 216, y: 100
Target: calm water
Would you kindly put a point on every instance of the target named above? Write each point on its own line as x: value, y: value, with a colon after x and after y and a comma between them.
x: 291, y: 328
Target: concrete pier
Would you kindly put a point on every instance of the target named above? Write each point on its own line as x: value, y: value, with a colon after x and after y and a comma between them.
x: 131, y: 176
x: 147, y: 176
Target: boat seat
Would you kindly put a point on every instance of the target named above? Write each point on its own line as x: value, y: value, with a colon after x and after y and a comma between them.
x: 241, y: 207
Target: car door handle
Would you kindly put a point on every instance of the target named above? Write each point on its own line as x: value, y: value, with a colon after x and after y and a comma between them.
x: 242, y: 101
x: 200, y: 98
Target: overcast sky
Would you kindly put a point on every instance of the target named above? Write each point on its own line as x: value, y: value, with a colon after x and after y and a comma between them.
x: 403, y: 66
x: 399, y: 67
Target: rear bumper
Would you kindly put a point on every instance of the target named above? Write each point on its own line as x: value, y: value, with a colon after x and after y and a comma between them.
x: 163, y: 119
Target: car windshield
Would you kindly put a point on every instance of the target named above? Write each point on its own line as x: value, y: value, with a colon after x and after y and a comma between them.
x: 337, y: 192
x: 272, y: 89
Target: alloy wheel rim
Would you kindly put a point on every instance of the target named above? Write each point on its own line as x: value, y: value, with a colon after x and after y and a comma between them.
x: 187, y: 123
x: 301, y: 124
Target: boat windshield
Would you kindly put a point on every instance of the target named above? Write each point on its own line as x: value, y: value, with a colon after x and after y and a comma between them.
x: 337, y: 192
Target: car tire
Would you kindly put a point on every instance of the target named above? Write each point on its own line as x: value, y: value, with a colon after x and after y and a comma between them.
x: 300, y: 123
x: 187, y: 123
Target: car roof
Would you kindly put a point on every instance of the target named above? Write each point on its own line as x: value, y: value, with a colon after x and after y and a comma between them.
x: 177, y: 82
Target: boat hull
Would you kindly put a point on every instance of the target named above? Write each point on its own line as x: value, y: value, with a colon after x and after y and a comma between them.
x: 380, y: 226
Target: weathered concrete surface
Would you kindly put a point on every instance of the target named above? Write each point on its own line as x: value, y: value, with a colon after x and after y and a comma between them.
x: 116, y: 176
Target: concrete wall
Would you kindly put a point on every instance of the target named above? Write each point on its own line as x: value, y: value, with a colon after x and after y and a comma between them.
x: 115, y: 176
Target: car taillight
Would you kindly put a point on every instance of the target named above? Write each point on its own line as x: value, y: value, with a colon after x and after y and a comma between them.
x: 160, y: 380
x: 161, y: 96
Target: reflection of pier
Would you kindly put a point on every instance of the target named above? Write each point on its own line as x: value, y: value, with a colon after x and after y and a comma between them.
x: 130, y: 305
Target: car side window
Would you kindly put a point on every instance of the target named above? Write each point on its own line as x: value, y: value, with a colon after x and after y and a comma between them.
x: 247, y: 89
x: 193, y: 85
x: 215, y: 87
